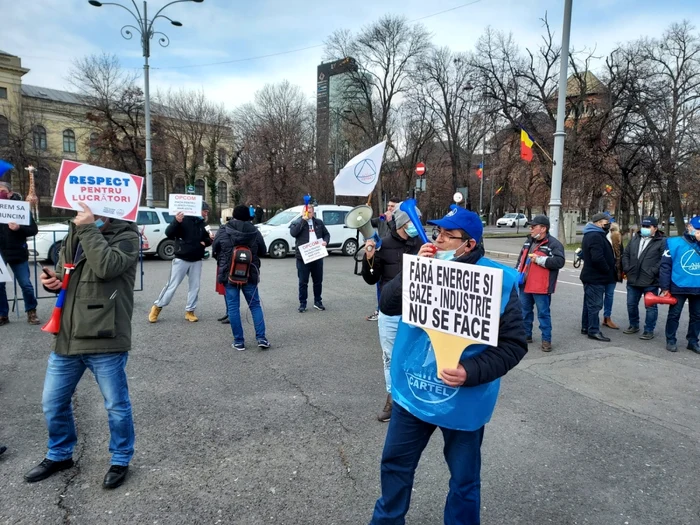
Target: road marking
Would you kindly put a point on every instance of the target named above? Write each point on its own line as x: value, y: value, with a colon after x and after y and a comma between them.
x: 580, y: 284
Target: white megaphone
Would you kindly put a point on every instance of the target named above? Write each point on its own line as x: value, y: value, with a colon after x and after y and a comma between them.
x: 360, y: 218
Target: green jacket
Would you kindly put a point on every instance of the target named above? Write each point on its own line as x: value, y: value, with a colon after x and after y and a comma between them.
x: 99, y: 301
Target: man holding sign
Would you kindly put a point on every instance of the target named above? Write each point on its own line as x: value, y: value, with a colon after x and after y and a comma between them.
x: 311, y: 234
x: 13, y: 251
x: 473, y: 301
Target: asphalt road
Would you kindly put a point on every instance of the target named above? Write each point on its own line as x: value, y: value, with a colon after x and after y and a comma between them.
x: 590, y: 434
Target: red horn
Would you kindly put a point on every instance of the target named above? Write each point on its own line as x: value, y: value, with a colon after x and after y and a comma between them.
x: 650, y: 299
x: 54, y: 324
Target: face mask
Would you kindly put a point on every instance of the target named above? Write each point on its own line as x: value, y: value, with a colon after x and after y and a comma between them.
x: 4, y: 195
x: 448, y: 255
x: 607, y: 227
x: 411, y: 230
x: 99, y: 223
x: 646, y: 232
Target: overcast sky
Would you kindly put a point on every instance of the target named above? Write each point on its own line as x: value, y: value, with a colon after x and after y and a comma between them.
x: 49, y: 34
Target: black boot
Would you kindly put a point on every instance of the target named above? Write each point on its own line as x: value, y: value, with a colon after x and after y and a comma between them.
x: 115, y: 476
x: 46, y: 469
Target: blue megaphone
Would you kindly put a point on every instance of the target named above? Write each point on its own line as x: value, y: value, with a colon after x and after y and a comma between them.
x: 410, y: 208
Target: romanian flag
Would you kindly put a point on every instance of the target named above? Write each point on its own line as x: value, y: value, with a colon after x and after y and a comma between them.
x: 525, y: 146
x: 480, y: 170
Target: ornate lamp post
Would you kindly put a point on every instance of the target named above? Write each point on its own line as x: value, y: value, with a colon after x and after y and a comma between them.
x: 144, y: 27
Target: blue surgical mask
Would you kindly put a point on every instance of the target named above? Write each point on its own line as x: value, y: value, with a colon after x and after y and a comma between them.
x: 411, y: 230
x: 646, y: 232
x: 445, y: 255
x: 99, y: 223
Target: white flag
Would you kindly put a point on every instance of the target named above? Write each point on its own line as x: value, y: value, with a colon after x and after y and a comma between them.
x: 360, y: 175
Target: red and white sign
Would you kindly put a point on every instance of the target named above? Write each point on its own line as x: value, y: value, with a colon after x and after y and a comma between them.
x: 106, y: 192
x: 420, y: 169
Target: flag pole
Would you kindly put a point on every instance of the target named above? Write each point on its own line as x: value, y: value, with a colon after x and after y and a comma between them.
x: 369, y: 197
x: 554, y: 163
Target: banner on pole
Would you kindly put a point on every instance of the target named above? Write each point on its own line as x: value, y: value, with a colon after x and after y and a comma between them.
x: 359, y: 176
x: 106, y: 192
x: 14, y: 211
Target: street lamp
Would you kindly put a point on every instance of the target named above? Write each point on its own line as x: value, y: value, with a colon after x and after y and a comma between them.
x: 144, y: 27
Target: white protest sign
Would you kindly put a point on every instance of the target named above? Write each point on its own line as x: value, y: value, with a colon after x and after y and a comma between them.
x: 106, y: 192
x: 313, y: 251
x: 462, y: 300
x: 187, y: 204
x: 5, y: 275
x: 14, y: 211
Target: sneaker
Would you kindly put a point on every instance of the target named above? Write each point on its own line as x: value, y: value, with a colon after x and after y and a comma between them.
x: 385, y: 414
x: 238, y: 346
x: 647, y: 336
x: 631, y: 330
x: 154, y: 313
x: 4, y: 320
x: 528, y: 340
x: 319, y: 306
x: 191, y: 317
x: 694, y: 348
x: 373, y: 317
x: 32, y: 318
x: 264, y: 343
x: 671, y: 347
x: 302, y: 308
x: 546, y: 346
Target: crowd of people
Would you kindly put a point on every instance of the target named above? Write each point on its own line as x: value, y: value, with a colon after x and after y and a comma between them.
x: 97, y: 268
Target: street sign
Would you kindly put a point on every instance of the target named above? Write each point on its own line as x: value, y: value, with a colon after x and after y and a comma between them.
x: 420, y: 169
x: 190, y: 190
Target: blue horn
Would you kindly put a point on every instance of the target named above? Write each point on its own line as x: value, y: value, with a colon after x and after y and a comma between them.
x: 409, y: 208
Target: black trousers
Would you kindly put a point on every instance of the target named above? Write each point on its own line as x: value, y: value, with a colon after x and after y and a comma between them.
x: 315, y: 270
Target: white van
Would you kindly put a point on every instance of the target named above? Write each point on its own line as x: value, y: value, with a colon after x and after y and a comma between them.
x: 279, y: 242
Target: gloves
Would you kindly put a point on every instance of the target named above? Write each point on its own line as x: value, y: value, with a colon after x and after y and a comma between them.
x: 540, y: 260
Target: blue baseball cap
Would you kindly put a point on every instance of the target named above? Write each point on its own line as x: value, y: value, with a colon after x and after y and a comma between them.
x: 459, y: 218
x: 695, y: 222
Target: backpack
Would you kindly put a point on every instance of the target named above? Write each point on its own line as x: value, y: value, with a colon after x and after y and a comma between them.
x: 241, y: 260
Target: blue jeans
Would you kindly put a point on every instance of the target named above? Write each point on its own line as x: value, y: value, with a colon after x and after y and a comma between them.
x: 527, y: 303
x: 609, y: 297
x: 674, y: 316
x: 21, y: 272
x: 406, y: 439
x: 388, y: 325
x: 592, y: 304
x: 233, y: 305
x: 634, y: 294
x: 315, y: 270
x: 62, y: 376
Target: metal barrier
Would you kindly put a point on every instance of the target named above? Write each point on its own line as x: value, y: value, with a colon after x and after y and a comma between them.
x: 36, y: 257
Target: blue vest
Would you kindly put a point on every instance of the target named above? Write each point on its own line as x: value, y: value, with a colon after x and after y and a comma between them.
x: 685, y: 271
x: 414, y: 382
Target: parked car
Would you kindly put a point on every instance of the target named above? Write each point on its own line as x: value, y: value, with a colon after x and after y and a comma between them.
x: 152, y: 223
x: 280, y: 243
x: 512, y: 220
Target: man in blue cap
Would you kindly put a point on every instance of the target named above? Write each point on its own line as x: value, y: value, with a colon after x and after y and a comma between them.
x: 461, y: 402
x: 680, y: 276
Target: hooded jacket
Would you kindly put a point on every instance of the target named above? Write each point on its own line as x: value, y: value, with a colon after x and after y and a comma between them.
x: 643, y: 271
x: 541, y: 279
x: 238, y: 233
x: 13, y: 244
x: 189, y: 236
x: 680, y: 266
x: 387, y: 261
x: 598, y: 257
x: 99, y: 301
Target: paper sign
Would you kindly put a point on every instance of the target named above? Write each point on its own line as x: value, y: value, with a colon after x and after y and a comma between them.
x: 463, y: 300
x: 313, y: 251
x: 106, y: 192
x: 14, y: 211
x: 187, y: 204
x: 5, y: 276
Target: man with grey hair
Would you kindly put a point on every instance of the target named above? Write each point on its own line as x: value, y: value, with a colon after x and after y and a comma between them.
x: 381, y: 266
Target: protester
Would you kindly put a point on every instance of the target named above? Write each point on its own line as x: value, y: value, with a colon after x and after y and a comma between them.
x: 615, y: 239
x: 13, y: 250
x: 641, y: 262
x: 259, y: 213
x: 380, y: 267
x: 679, y: 275
x: 598, y: 271
x: 305, y: 229
x: 239, y: 231
x: 384, y: 224
x: 94, y: 333
x: 462, y: 401
x: 540, y: 260
x: 251, y: 210
x: 191, y: 239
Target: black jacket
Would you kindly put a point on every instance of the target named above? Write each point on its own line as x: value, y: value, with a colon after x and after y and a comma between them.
x: 643, y: 272
x: 383, y: 226
x: 299, y: 229
x: 237, y: 233
x: 13, y: 244
x: 387, y: 261
x: 495, y: 361
x: 189, y: 236
x: 598, y: 257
